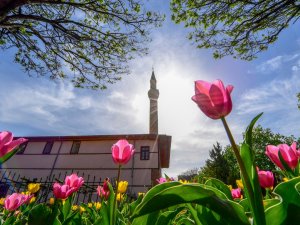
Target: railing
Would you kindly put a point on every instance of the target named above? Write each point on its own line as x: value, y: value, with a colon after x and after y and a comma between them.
x: 12, y: 182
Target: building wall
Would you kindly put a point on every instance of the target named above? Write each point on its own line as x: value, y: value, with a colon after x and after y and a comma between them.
x: 93, y: 160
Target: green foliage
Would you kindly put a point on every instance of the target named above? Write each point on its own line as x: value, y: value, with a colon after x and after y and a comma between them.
x: 175, y: 194
x: 261, y: 137
x: 88, y: 42
x: 218, y: 166
x: 238, y: 28
x: 253, y: 193
x: 284, y: 209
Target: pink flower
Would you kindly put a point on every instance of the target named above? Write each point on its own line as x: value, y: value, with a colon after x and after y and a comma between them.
x: 266, y: 178
x: 236, y: 193
x: 103, y: 192
x: 289, y: 155
x: 7, y: 144
x: 27, y: 198
x: 294, y: 147
x: 213, y: 99
x: 14, y: 201
x: 74, y: 181
x: 122, y: 152
x: 62, y: 191
x: 161, y: 180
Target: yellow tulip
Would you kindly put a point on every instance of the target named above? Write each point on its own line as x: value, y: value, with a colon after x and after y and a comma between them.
x: 285, y: 179
x: 74, y: 207
x: 141, y: 193
x: 33, y: 187
x: 90, y: 205
x: 119, y: 197
x: 239, y: 183
x: 32, y: 199
x: 2, y: 201
x: 51, y: 201
x: 184, y: 181
x: 81, y: 209
x: 97, y: 205
x: 122, y: 186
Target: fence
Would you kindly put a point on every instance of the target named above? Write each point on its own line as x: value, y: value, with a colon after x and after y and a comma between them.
x: 12, y: 182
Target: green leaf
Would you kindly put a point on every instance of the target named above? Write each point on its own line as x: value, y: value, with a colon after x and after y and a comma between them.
x: 220, y: 186
x: 134, y: 204
x: 173, y: 193
x: 70, y: 217
x: 39, y: 214
x: 8, y: 155
x: 66, y: 209
x: 104, y: 212
x: 148, y: 219
x: 256, y: 203
x: 9, y: 220
x: 247, y: 155
x: 286, y: 210
x: 165, y: 218
x: 248, y: 135
x: 110, y: 200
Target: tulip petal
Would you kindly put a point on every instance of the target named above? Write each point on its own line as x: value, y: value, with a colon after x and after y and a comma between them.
x: 294, y: 146
x: 229, y: 88
x: 5, y: 137
x: 272, y: 153
x: 217, y: 97
x: 289, y: 155
x: 204, y: 103
x: 8, y: 147
x: 202, y: 87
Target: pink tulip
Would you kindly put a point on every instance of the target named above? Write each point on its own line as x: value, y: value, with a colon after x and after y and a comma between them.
x: 7, y: 144
x: 122, y: 152
x: 289, y: 155
x: 62, y: 191
x: 14, y: 201
x: 74, y: 181
x: 103, y: 192
x: 266, y: 179
x: 27, y: 198
x: 236, y: 193
x: 294, y: 147
x: 213, y: 99
x: 161, y: 180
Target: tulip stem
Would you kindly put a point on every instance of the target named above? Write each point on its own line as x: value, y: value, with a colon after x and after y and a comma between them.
x: 194, y: 214
x: 116, y: 195
x: 244, y: 173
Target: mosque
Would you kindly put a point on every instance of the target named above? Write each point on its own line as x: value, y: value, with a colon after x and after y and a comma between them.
x: 47, y: 157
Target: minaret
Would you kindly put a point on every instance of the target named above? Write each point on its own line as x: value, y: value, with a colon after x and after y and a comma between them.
x: 153, y: 94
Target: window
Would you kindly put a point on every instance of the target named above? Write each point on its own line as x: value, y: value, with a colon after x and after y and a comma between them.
x: 145, y: 153
x: 75, y: 147
x: 21, y: 148
x: 48, y: 148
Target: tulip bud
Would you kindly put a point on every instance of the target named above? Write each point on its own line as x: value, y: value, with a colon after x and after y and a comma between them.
x: 213, y: 99
x: 266, y: 179
x: 122, y: 152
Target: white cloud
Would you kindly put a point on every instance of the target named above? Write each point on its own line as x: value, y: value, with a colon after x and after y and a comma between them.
x: 275, y: 63
x: 277, y: 99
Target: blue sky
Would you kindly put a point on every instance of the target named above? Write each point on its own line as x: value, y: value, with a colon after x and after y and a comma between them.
x: 39, y: 106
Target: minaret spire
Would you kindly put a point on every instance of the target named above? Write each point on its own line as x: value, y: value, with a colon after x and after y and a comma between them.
x: 153, y: 94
